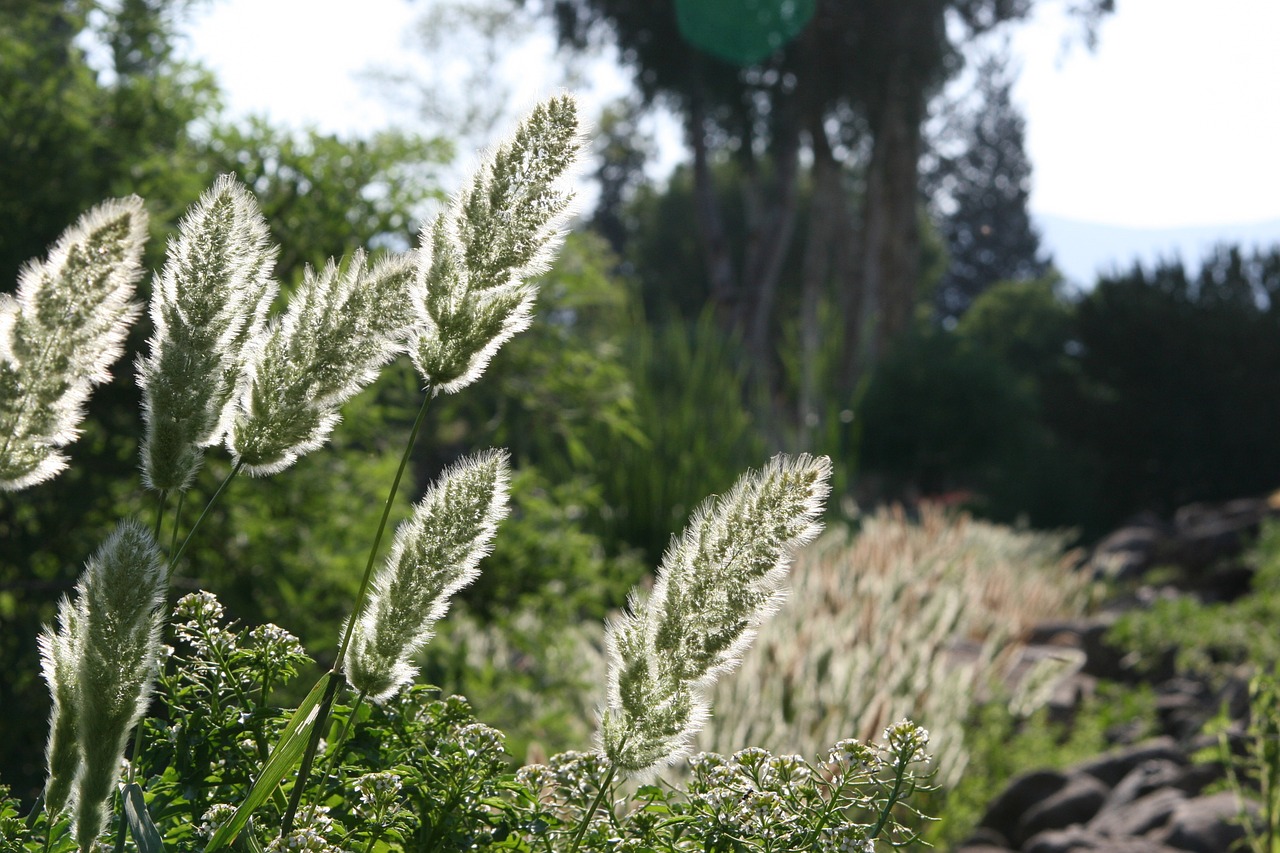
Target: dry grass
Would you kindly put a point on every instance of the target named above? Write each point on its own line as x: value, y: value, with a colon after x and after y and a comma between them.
x: 906, y: 619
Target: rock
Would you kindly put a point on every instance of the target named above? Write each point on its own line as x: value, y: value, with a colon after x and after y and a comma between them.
x: 1078, y: 838
x: 1114, y: 766
x: 1127, y: 553
x: 1140, y: 816
x: 1060, y: 841
x: 986, y: 836
x: 1142, y: 780
x: 1206, y: 824
x: 1204, y: 534
x: 1076, y: 803
x: 1005, y: 813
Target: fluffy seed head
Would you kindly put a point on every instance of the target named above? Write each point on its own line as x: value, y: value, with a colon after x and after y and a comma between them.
x: 104, y: 658
x: 435, y: 553
x: 718, y: 581
x: 60, y: 653
x: 341, y: 327
x: 475, y: 260
x: 60, y: 332
x: 210, y: 300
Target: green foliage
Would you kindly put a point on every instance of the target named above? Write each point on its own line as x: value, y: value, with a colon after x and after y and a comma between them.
x: 99, y: 106
x: 1003, y: 745
x: 531, y: 673
x: 420, y: 773
x: 1253, y: 773
x: 84, y: 129
x: 325, y: 196
x: 1176, y: 371
x: 1212, y: 637
x: 698, y: 432
x: 548, y: 558
x: 980, y: 185
x: 978, y: 410
x: 1025, y: 324
x: 939, y: 415
x: 217, y: 766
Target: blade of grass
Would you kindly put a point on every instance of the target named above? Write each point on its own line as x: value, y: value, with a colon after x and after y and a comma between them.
x: 144, y: 832
x: 286, y: 755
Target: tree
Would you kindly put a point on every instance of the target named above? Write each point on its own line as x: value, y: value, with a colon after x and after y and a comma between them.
x: 980, y: 192
x: 1177, y: 398
x: 81, y: 128
x: 850, y: 90
x: 623, y: 147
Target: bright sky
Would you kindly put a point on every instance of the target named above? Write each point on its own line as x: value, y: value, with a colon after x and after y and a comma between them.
x: 1173, y: 122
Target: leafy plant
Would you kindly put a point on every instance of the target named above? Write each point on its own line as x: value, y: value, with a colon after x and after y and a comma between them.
x: 384, y: 765
x: 1253, y: 771
x: 1206, y: 638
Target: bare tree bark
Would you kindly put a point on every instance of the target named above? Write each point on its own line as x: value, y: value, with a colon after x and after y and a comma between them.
x: 722, y: 282
x: 770, y: 229
x: 891, y: 229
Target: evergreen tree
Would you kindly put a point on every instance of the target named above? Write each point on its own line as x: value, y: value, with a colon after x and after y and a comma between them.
x: 980, y: 194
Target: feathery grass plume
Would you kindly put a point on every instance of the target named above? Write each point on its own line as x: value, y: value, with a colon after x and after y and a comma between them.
x: 59, y: 658
x: 60, y: 332
x: 341, y: 327
x: 472, y: 294
x: 717, y: 583
x: 435, y: 554
x: 210, y: 299
x: 911, y: 617
x: 116, y: 631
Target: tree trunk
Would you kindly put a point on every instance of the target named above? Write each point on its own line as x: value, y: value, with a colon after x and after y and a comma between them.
x: 891, y: 229
x: 722, y: 284
x: 827, y: 269
x: 771, y: 219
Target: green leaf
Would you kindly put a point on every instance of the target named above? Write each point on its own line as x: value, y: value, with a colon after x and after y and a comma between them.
x: 248, y: 842
x: 143, y: 830
x: 286, y: 755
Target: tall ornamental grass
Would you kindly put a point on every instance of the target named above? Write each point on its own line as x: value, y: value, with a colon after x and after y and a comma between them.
x: 920, y: 618
x: 369, y: 760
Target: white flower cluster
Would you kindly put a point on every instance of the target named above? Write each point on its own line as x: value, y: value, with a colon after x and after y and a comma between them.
x: 379, y: 796
x: 310, y: 836
x: 197, y: 621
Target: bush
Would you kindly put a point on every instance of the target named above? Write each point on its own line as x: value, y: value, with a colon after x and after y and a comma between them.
x: 1175, y: 372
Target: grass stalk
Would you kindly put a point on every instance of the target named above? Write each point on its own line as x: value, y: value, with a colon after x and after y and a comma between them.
x: 173, y: 559
x: 326, y: 704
